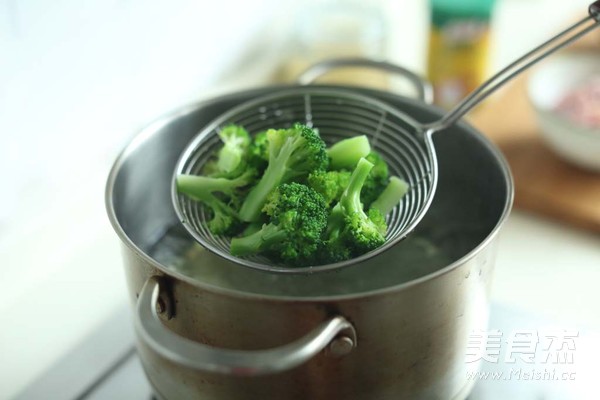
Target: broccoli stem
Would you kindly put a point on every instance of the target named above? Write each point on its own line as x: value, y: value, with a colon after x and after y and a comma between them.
x: 347, y: 152
x: 391, y: 195
x: 272, y: 177
x: 257, y: 242
x: 195, y: 185
x: 350, y: 199
x: 253, y: 227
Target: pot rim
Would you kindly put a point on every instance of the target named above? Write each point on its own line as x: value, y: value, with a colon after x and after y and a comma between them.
x: 153, y: 127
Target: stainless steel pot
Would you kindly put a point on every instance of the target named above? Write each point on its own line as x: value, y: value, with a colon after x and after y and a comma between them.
x: 393, y: 327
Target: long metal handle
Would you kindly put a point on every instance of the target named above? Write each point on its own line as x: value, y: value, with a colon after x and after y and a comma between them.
x: 423, y: 88
x: 337, y: 333
x: 557, y: 42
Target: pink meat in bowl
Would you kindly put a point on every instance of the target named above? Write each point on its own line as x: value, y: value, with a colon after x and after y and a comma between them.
x: 565, y: 94
x: 581, y: 105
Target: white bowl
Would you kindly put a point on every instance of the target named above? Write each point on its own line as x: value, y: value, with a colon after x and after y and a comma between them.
x: 547, y: 85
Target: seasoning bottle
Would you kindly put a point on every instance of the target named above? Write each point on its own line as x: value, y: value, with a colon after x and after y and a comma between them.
x: 458, y: 50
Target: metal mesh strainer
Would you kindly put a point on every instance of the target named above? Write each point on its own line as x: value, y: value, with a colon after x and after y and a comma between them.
x: 405, y: 144
x: 338, y: 114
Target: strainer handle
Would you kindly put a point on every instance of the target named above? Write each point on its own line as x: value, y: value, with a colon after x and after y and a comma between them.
x: 423, y: 88
x: 336, y: 333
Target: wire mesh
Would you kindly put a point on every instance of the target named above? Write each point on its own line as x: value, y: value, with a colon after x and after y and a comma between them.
x: 337, y: 114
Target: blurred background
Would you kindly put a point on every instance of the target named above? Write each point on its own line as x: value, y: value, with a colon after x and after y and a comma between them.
x: 79, y: 78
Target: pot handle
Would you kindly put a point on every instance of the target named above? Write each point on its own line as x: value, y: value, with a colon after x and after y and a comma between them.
x: 423, y: 88
x: 336, y: 333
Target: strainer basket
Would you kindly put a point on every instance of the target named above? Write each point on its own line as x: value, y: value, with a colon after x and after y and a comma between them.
x: 337, y: 113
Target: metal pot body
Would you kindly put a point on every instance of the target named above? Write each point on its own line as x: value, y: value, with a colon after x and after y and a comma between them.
x: 381, y: 337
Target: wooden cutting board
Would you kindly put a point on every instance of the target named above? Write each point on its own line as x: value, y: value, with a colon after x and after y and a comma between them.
x: 544, y: 184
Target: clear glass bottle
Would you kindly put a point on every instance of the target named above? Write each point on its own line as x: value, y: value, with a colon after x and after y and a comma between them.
x: 337, y: 28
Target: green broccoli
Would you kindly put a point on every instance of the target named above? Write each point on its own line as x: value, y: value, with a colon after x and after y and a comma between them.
x: 252, y: 227
x: 235, y: 143
x: 287, y: 197
x: 391, y: 195
x: 293, y: 154
x: 298, y: 216
x: 225, y: 220
x: 350, y: 231
x: 330, y: 184
x: 197, y: 186
x: 231, y: 159
x: 258, y: 151
x: 347, y: 152
x: 376, y: 181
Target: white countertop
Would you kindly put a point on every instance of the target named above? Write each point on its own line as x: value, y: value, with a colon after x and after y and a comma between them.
x: 62, y: 270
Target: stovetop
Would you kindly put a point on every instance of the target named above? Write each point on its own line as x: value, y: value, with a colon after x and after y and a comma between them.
x: 105, y: 366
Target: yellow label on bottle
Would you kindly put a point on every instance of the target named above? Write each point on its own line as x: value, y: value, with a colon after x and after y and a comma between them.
x: 457, y: 60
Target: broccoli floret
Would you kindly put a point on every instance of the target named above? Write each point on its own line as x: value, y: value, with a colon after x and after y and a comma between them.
x: 330, y: 184
x: 231, y: 160
x: 347, y: 152
x: 298, y: 216
x: 235, y: 143
x: 377, y: 180
x: 335, y: 246
x: 391, y: 195
x: 350, y: 231
x: 293, y: 154
x: 380, y: 167
x: 225, y: 220
x: 258, y: 151
x: 378, y: 219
